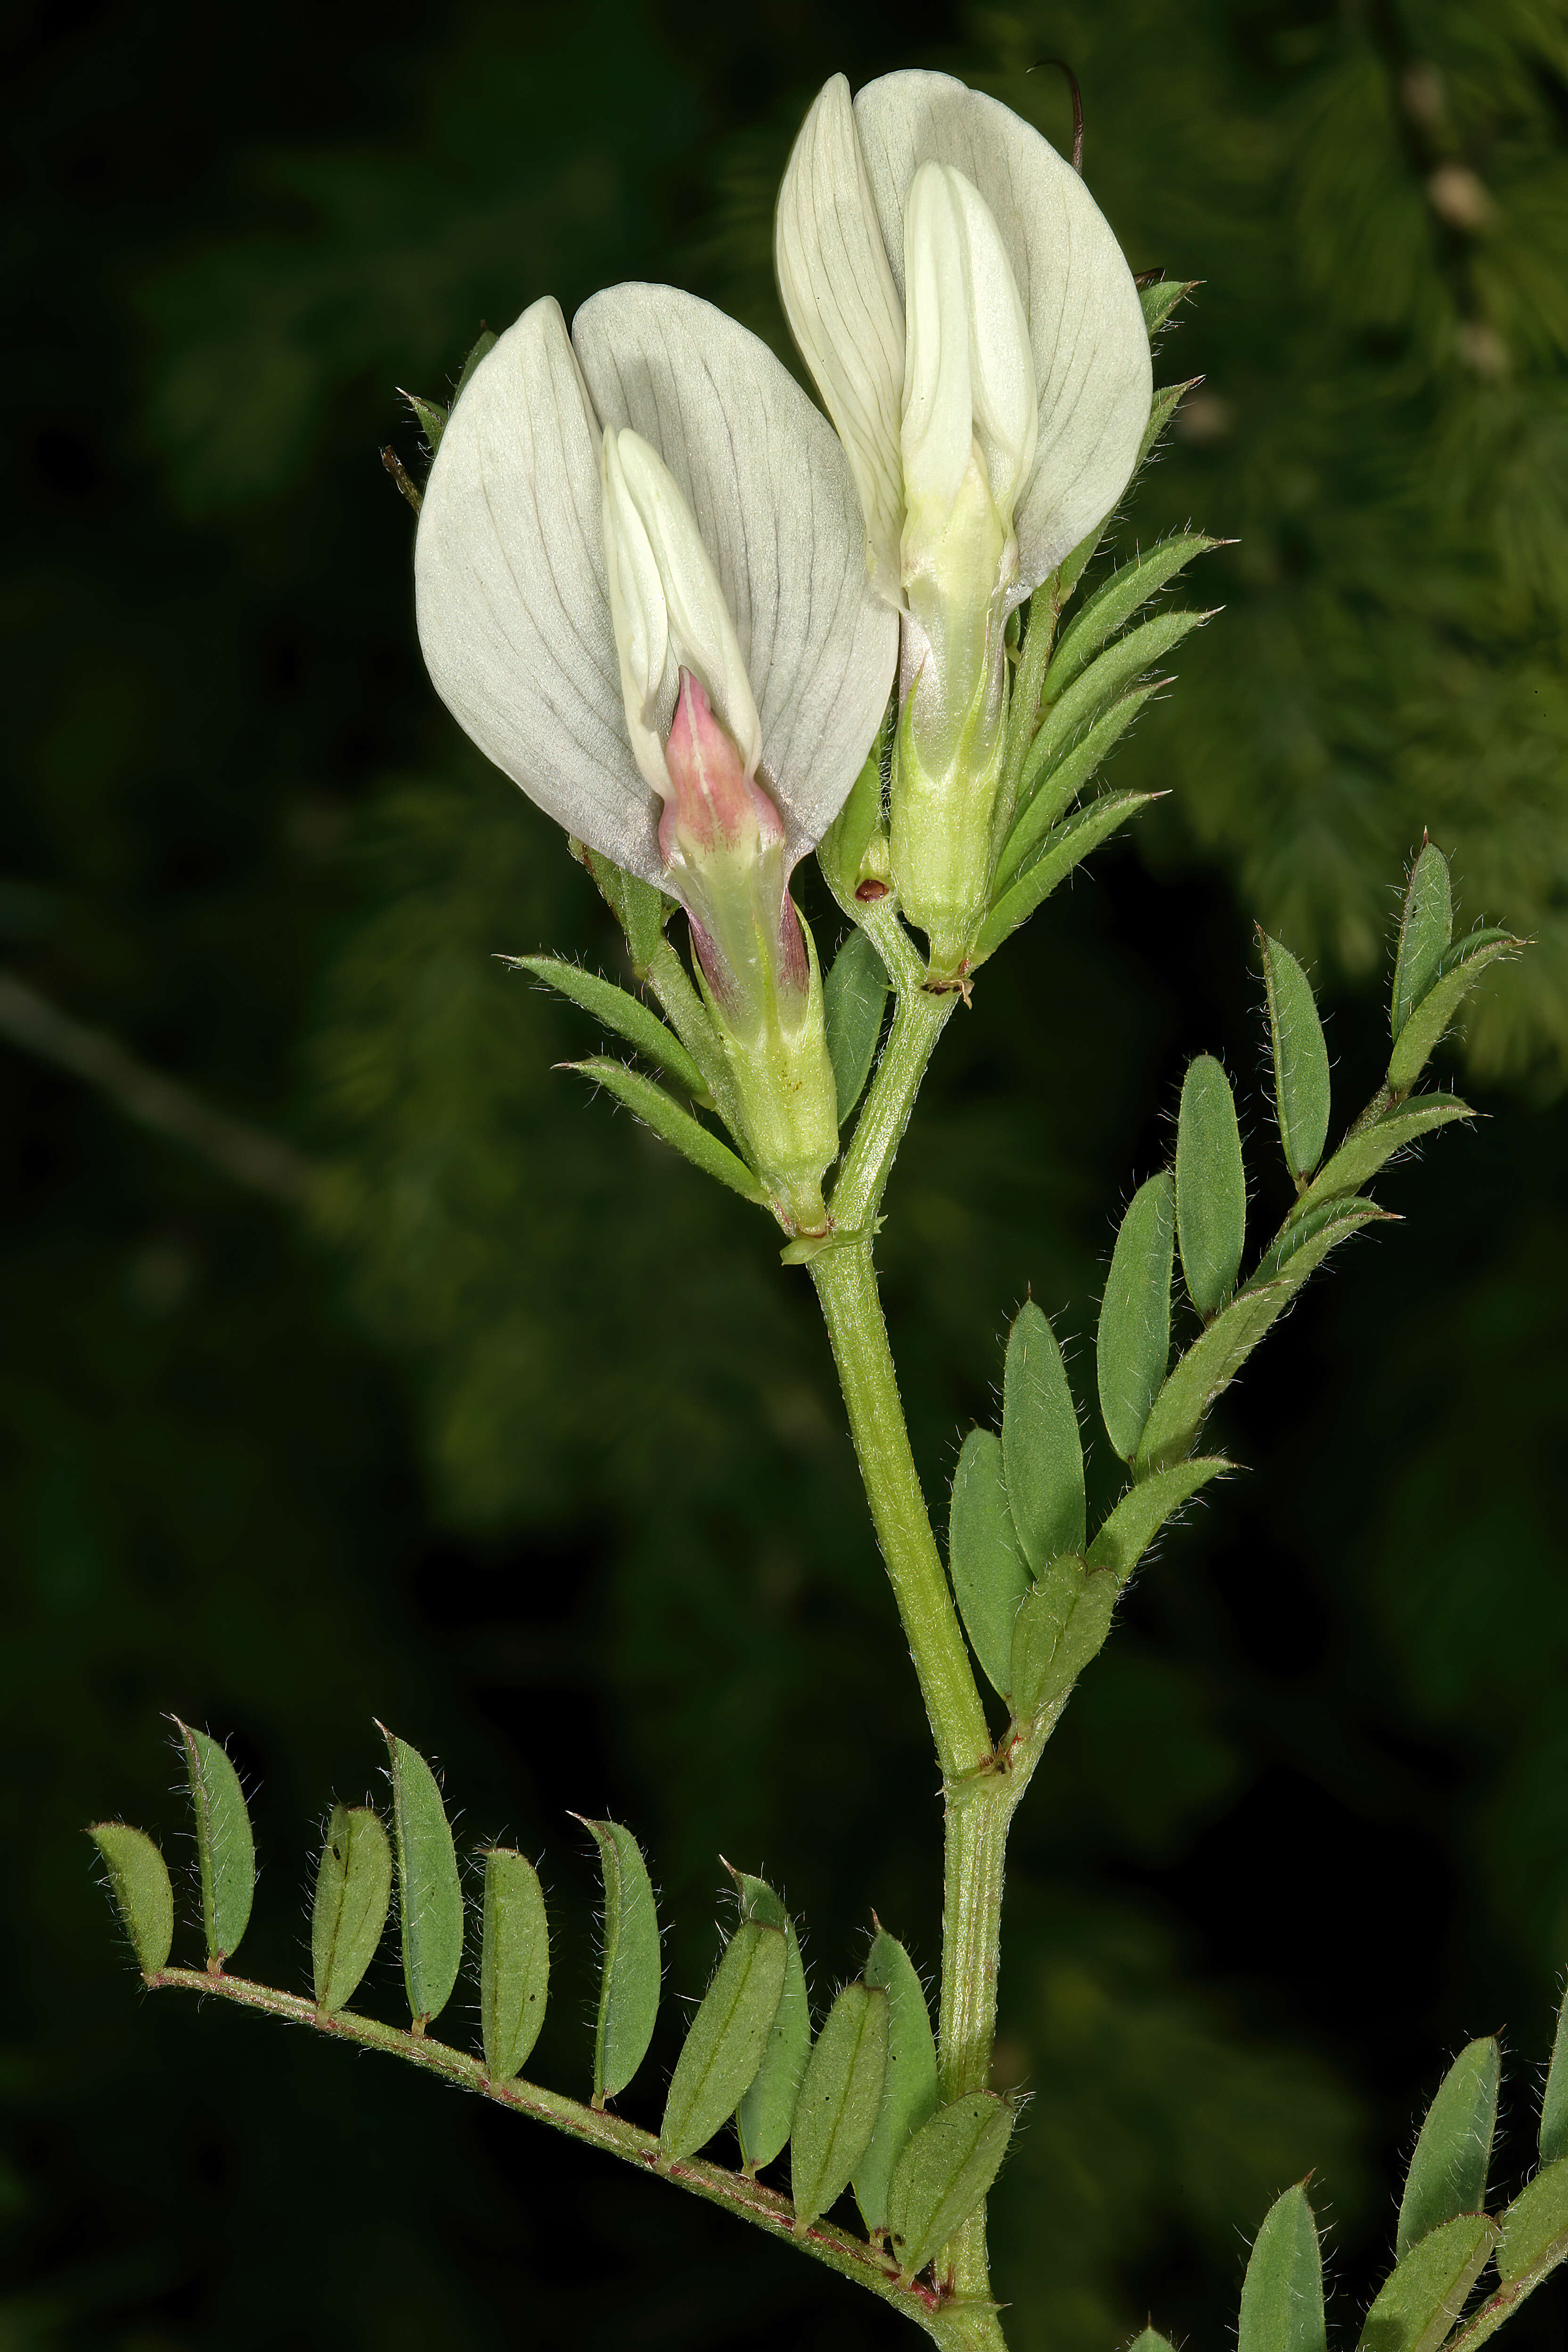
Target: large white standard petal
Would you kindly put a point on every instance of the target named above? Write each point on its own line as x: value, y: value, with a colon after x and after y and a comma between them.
x: 512, y: 596
x: 774, y: 503
x: 1086, y: 324
x: 843, y: 309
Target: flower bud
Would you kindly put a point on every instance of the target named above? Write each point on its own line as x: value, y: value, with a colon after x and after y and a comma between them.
x: 967, y: 443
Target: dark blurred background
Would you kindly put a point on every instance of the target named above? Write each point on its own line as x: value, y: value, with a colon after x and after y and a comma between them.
x: 507, y: 1428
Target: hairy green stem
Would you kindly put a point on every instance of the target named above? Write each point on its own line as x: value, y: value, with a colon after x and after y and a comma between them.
x: 846, y: 1286
x: 943, y: 2317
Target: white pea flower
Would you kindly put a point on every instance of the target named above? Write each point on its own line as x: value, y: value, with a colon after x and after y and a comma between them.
x: 977, y: 339
x: 641, y: 590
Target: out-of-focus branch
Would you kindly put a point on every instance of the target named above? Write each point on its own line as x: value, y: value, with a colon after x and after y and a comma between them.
x: 244, y: 1152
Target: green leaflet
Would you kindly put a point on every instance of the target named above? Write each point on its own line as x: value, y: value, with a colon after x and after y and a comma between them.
x: 1335, y: 1218
x: 841, y: 852
x: 353, y: 1888
x: 942, y: 2175
x: 430, y: 417
x: 1106, y: 678
x: 909, y: 2090
x: 1426, y: 928
x: 1066, y: 846
x: 1535, y: 2227
x: 641, y: 911
x: 854, y: 999
x: 839, y: 2100
x: 1447, y: 2173
x: 1138, y: 1518
x: 624, y: 1014
x: 1365, y: 1151
x: 226, y: 1849
x: 729, y: 2035
x: 1418, y: 2305
x: 1151, y: 2340
x: 1066, y: 779
x: 1158, y: 301
x: 1166, y: 402
x: 1553, y: 2140
x: 1211, y: 1186
x: 1283, y: 2295
x: 1461, y: 967
x: 1114, y: 602
x: 628, y: 1989
x: 1301, y: 1088
x: 1213, y: 1361
x: 139, y: 1882
x: 514, y: 1965
x: 485, y: 342
x: 765, y: 2115
x: 989, y: 1575
x: 1133, y: 1343
x: 429, y: 1898
x: 1042, y: 1452
x: 668, y: 1120
x: 1060, y: 1627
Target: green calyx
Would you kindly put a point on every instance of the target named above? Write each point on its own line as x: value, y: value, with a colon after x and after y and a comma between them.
x: 788, y: 1097
x: 942, y: 808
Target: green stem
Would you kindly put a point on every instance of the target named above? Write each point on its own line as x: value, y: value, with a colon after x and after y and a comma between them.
x: 846, y: 1286
x: 944, y: 2318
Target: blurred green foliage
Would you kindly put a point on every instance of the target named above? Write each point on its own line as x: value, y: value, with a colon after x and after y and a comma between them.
x: 527, y: 1444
